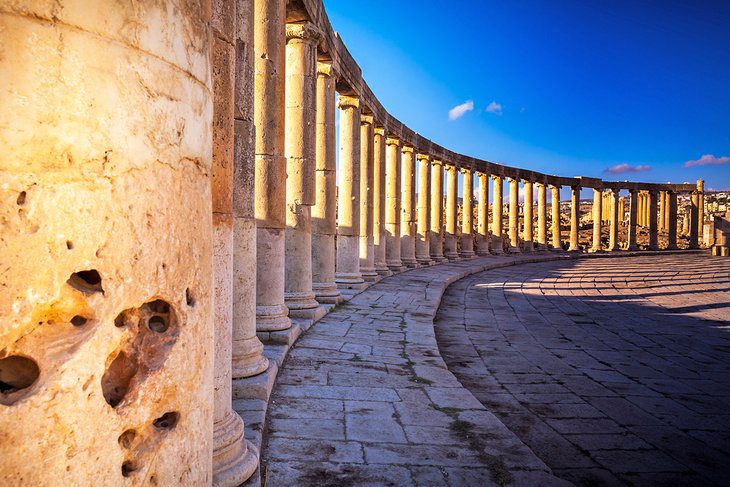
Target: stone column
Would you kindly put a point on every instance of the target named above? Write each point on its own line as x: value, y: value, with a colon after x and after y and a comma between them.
x: 694, y: 221
x: 324, y: 212
x: 701, y: 209
x: 665, y: 225
x: 557, y: 243
x: 467, y: 226
x: 514, y: 209
x: 621, y: 209
x: 451, y: 213
x: 528, y: 216
x: 105, y: 197
x: 541, y: 216
x: 408, y: 214
x: 436, y: 236
x: 234, y: 458
x: 574, y: 218
x: 423, y: 250
x: 347, y: 272
x: 484, y: 235
x: 662, y: 210
x: 685, y: 223
x: 633, y: 216
x: 392, y: 204
x: 613, y: 221
x: 653, y: 224
x: 300, y: 143
x: 379, y: 235
x: 497, y: 206
x: 646, y: 209
x: 672, y: 224
x: 247, y: 349
x: 597, y: 195
x: 270, y: 169
x: 367, y: 158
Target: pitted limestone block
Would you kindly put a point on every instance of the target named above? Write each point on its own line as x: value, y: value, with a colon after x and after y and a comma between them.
x: 105, y: 207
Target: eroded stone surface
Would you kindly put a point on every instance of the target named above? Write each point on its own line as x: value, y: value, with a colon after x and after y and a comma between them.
x: 612, y: 371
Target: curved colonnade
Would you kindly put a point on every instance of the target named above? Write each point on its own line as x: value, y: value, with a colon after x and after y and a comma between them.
x: 142, y: 139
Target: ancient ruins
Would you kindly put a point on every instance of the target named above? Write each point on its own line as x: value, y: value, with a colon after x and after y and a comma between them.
x: 175, y: 213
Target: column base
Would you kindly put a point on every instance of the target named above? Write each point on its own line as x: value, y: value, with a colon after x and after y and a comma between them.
x: 234, y: 458
x: 595, y: 251
x: 615, y: 248
x: 438, y: 259
x: 247, y: 358
x: 541, y: 247
x: 383, y: 270
x: 468, y: 254
x: 482, y: 252
x: 272, y: 318
x: 652, y: 247
x: 529, y: 247
x: 632, y: 247
x: 451, y: 256
x: 514, y: 250
x: 301, y: 304
x: 672, y: 247
x: 395, y: 266
x: 326, y: 292
x: 424, y: 261
x: 410, y: 263
x: 350, y: 281
x: 369, y: 274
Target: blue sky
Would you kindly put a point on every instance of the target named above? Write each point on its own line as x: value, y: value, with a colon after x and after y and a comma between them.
x: 568, y: 87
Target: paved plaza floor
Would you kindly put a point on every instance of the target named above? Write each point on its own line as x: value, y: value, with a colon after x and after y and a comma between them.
x: 580, y: 371
x: 611, y: 371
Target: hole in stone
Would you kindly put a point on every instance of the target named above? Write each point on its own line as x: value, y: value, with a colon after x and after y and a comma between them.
x: 167, y: 421
x: 78, y: 320
x: 87, y: 282
x: 16, y: 373
x: 157, y: 324
x: 69, y: 244
x: 117, y: 377
x: 126, y: 438
x: 125, y: 318
x: 21, y: 198
x: 189, y: 298
x: 128, y: 468
x: 159, y: 306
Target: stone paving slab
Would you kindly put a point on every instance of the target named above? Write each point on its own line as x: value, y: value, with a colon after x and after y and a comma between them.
x: 612, y: 371
x: 364, y: 398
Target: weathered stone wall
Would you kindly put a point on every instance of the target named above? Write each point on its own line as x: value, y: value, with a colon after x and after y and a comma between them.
x: 105, y: 250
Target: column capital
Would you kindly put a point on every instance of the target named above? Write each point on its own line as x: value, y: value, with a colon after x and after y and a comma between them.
x: 701, y: 185
x: 512, y: 179
x: 540, y: 183
x: 577, y: 187
x: 407, y: 148
x: 556, y: 186
x: 366, y: 120
x: 464, y: 170
x: 423, y: 157
x: 380, y: 131
x: 346, y: 101
x: 526, y: 181
x: 392, y: 140
x: 325, y: 68
x: 437, y: 162
x: 305, y: 31
x: 495, y: 176
x: 449, y: 166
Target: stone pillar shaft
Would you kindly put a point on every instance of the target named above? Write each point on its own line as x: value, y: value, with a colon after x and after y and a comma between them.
x: 497, y: 206
x: 451, y: 213
x: 633, y: 216
x: 393, y: 204
x: 514, y: 209
x: 234, y: 458
x: 435, y: 239
x: 557, y: 243
x: 270, y: 168
x: 528, y: 216
x: 347, y: 275
x: 694, y: 221
x: 408, y: 213
x: 672, y: 223
x: 423, y: 255
x: 541, y: 216
x: 247, y: 349
x: 379, y: 235
x: 700, y: 210
x: 324, y: 212
x: 467, y: 215
x: 613, y: 222
x: 300, y: 143
x: 484, y: 236
x: 597, y: 201
x: 367, y: 158
x: 653, y: 223
x: 574, y: 218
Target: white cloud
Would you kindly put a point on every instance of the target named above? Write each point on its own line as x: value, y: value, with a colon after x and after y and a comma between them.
x: 495, y: 108
x: 708, y: 160
x: 626, y: 168
x: 459, y: 110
